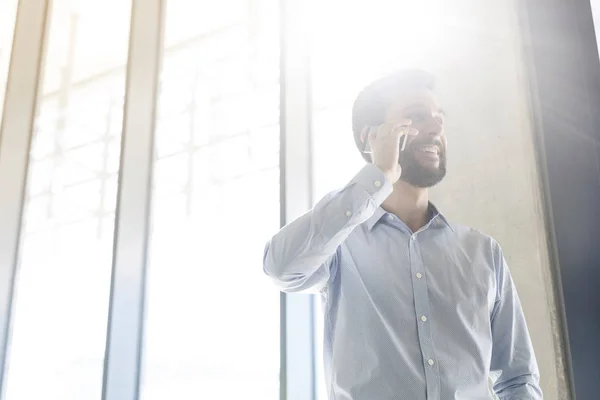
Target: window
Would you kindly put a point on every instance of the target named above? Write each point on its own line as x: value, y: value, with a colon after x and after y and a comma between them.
x: 63, y: 281
x: 210, y: 320
x: 212, y: 328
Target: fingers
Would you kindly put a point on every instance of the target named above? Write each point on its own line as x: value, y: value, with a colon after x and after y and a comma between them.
x: 405, y: 122
x: 388, y: 129
x: 405, y: 128
x: 381, y: 133
x: 395, y: 130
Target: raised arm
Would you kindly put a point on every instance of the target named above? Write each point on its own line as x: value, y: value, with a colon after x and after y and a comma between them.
x: 304, y: 254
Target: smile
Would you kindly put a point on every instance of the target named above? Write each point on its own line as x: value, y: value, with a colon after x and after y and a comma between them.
x: 429, y: 149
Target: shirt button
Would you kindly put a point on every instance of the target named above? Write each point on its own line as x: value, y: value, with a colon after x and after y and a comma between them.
x: 430, y: 362
x: 413, y: 237
x: 423, y: 318
x: 419, y: 275
x: 348, y: 213
x: 390, y: 217
x: 377, y: 183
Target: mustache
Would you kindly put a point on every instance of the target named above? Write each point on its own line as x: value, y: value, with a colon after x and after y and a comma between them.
x: 427, y: 141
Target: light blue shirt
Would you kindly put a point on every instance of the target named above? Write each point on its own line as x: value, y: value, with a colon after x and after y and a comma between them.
x: 408, y: 316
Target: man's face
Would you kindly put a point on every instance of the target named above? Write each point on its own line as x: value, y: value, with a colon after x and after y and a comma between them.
x: 423, y: 160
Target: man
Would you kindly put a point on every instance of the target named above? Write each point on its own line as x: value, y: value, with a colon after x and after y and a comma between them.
x: 415, y: 307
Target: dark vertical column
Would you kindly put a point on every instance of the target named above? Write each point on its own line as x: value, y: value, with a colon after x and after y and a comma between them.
x: 564, y: 71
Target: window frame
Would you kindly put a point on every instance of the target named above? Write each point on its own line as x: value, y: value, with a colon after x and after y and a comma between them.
x: 125, y: 324
x: 16, y: 131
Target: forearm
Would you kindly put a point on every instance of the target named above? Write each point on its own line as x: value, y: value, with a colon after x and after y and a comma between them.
x: 299, y: 255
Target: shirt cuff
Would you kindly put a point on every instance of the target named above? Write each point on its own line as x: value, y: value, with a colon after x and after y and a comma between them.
x: 373, y: 181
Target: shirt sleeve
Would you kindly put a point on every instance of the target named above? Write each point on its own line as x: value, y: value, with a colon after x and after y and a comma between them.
x: 514, y: 369
x: 302, y: 255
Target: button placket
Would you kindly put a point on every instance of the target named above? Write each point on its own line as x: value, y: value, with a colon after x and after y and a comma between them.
x: 422, y: 311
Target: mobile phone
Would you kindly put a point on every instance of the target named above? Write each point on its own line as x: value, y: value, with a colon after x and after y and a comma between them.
x: 403, y: 140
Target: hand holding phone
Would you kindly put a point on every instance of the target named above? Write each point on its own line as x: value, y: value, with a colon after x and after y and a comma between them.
x: 384, y: 143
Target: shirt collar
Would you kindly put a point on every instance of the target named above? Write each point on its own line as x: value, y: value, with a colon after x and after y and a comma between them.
x: 435, y: 219
x: 379, y: 213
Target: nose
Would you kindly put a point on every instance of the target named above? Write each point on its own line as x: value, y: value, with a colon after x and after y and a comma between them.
x: 433, y: 127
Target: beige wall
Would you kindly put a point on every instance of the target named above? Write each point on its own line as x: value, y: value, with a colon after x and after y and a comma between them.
x: 493, y: 182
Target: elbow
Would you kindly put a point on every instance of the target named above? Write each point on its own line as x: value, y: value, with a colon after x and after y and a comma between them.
x: 285, y: 282
x: 280, y: 273
x: 275, y: 268
x: 272, y: 267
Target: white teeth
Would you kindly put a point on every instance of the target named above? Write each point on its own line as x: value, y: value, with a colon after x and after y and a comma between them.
x: 430, y: 149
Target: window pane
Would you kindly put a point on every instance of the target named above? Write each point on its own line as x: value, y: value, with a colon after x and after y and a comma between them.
x: 63, y: 282
x: 8, y: 11
x: 212, y: 328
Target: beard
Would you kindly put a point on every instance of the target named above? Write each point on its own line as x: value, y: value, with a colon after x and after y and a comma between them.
x: 414, y: 172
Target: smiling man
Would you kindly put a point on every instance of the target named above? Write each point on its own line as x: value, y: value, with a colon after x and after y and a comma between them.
x: 416, y: 307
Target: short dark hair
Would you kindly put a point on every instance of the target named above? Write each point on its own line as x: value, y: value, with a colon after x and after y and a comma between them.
x: 373, y: 101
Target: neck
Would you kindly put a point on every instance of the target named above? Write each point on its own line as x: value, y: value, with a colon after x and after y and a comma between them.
x: 409, y: 203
